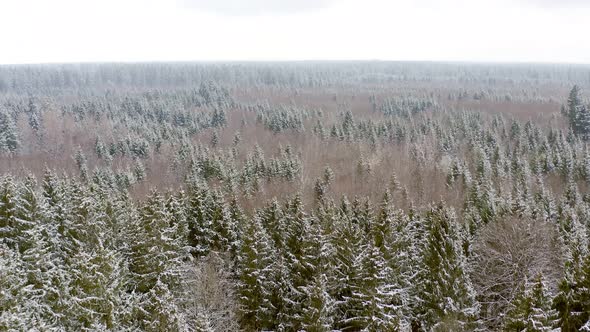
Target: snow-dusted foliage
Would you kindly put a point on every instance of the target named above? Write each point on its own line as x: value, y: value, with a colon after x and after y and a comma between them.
x: 294, y: 197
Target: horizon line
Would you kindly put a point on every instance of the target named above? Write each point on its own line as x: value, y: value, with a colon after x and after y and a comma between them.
x: 271, y: 61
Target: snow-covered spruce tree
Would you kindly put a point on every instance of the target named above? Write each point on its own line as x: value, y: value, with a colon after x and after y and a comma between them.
x: 318, y: 309
x: 397, y: 237
x: 273, y: 221
x: 372, y: 302
x: 12, y: 279
x: 573, y: 299
x: 320, y: 190
x: 159, y: 311
x: 201, y: 233
x: 256, y: 281
x: 574, y: 237
x: 214, y: 139
x: 483, y: 200
x: 320, y: 130
x: 176, y: 206
x: 567, y: 300
x: 101, y: 149
x: 139, y: 170
x: 156, y: 256
x: 362, y: 215
x: 29, y: 213
x: 224, y: 227
x: 45, y: 296
x: 9, y: 225
x: 85, y: 220
x: 317, y: 312
x: 156, y: 252
x: 98, y: 289
x: 571, y: 111
x: 348, y: 126
x: 520, y: 308
x: 210, y: 224
x: 347, y: 242
x: 82, y: 164
x: 218, y: 118
x: 119, y: 213
x: 57, y: 208
x: 545, y: 203
x: 237, y: 138
x: 583, y: 122
x: 301, y: 254
x: 381, y: 230
x: 531, y: 309
x: 35, y: 117
x: 448, y: 298
x: 236, y: 218
x: 281, y: 287
x: 9, y: 138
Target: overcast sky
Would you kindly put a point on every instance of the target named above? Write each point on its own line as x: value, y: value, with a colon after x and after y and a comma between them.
x: 34, y: 31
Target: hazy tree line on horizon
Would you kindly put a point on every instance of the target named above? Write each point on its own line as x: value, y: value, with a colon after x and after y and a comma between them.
x: 64, y: 78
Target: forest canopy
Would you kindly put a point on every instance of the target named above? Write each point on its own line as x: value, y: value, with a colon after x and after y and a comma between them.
x: 295, y: 196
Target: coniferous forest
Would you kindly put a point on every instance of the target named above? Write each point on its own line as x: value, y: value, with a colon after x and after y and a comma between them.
x: 296, y: 196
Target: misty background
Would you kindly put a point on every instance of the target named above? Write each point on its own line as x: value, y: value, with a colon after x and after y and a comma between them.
x: 36, y: 31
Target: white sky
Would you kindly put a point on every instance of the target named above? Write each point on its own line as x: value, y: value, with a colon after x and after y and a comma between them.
x: 33, y: 31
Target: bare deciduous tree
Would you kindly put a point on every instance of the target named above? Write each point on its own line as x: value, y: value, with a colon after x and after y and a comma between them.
x: 210, y: 293
x: 505, y: 254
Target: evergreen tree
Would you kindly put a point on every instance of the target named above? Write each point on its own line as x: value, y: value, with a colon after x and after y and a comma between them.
x: 392, y: 235
x: 255, y: 263
x: 139, y: 170
x: 12, y: 279
x: 201, y: 233
x: 34, y: 115
x: 347, y: 244
x: 573, y: 102
x: 372, y: 299
x: 176, y: 207
x: 273, y: 221
x: 156, y: 255
x: 583, y: 121
x: 542, y: 317
x: 29, y: 213
x: 301, y: 259
x: 317, y: 313
x: 225, y: 231
x: 8, y: 212
x: 565, y: 302
x: 81, y: 162
x: 100, y: 149
x: 573, y: 300
x: 531, y: 309
x: 159, y: 311
x: 9, y: 140
x: 448, y: 299
x: 236, y: 218
x: 45, y: 295
x: 98, y: 289
x: 214, y: 139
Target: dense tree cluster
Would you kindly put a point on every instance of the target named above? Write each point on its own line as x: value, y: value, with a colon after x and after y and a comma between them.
x: 265, y: 226
x: 578, y: 113
x: 77, y: 257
